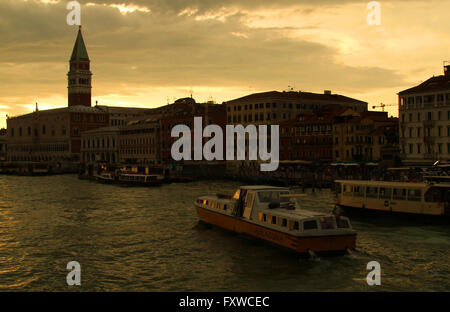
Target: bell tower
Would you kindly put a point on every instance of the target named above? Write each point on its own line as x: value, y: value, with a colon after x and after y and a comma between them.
x: 79, y: 75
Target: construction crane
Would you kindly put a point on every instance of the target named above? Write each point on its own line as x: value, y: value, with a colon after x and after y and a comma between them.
x: 382, y: 105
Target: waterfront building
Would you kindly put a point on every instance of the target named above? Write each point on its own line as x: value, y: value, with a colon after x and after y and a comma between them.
x: 365, y: 137
x: 100, y: 146
x: 139, y: 142
x: 3, y: 145
x: 54, y: 135
x: 183, y: 111
x: 51, y: 135
x: 309, y: 136
x: 275, y: 107
x: 424, y: 112
x: 119, y: 116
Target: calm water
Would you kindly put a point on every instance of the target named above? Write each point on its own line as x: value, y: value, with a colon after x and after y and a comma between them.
x: 148, y: 239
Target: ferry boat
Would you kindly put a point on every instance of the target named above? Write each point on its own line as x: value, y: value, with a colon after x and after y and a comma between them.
x: 104, y: 177
x: 400, y: 197
x: 140, y: 179
x: 270, y: 213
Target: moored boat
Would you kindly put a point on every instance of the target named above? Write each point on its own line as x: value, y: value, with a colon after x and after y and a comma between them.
x: 140, y: 179
x: 398, y: 197
x: 270, y: 213
x: 104, y: 177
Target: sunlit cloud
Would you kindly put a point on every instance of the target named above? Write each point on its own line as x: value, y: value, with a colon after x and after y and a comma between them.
x: 123, y: 8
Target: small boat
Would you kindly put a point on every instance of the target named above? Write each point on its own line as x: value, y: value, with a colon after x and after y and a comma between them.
x: 271, y: 214
x: 398, y: 197
x: 136, y: 179
x: 104, y: 177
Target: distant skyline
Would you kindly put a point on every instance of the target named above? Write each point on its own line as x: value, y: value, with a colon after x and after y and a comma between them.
x: 144, y: 52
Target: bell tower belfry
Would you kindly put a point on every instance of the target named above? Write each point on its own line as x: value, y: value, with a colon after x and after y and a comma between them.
x: 79, y: 75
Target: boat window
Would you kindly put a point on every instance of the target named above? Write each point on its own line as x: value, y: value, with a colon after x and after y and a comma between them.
x: 342, y: 223
x: 284, y: 222
x: 372, y: 192
x: 327, y: 223
x: 399, y: 194
x: 358, y: 191
x: 269, y: 197
x: 310, y: 225
x: 274, y: 220
x: 414, y: 195
x: 348, y: 190
x: 435, y: 195
x: 337, y: 187
x: 237, y: 194
x: 385, y: 193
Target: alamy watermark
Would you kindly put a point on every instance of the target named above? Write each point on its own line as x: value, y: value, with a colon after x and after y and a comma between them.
x: 374, y: 276
x: 213, y: 149
x: 74, y: 276
x: 374, y: 16
x: 74, y: 16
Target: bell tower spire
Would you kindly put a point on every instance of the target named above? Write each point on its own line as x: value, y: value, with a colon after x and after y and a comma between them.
x: 79, y: 75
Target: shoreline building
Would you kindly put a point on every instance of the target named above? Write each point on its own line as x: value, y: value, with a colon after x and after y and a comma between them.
x: 52, y: 138
x: 3, y: 145
x: 424, y: 112
x: 309, y: 136
x: 365, y: 137
x: 274, y: 108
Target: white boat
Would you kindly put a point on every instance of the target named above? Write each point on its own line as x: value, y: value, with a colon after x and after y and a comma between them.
x: 140, y: 179
x: 271, y: 214
x: 104, y: 177
x: 402, y: 197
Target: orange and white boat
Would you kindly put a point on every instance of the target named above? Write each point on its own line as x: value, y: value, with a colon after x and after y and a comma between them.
x: 271, y: 213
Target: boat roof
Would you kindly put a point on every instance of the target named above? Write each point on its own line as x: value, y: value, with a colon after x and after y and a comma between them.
x: 298, y: 213
x: 383, y: 183
x: 262, y: 187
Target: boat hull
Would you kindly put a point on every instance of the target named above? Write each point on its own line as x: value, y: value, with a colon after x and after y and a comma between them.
x: 295, y: 243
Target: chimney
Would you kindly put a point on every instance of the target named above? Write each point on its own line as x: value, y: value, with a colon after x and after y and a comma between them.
x: 327, y: 92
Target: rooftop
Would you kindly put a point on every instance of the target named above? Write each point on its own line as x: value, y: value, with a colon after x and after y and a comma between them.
x: 294, y: 95
x: 435, y: 83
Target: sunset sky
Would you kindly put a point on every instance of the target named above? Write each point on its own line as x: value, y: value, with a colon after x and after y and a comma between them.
x: 144, y: 52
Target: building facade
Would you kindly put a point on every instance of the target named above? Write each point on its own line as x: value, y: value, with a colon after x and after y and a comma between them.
x: 424, y: 113
x: 139, y: 142
x: 309, y: 136
x: 51, y: 135
x: 365, y: 137
x: 100, y: 145
x: 275, y: 107
x: 3, y: 145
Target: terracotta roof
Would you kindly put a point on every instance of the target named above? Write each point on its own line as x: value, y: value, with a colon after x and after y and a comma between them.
x: 438, y: 83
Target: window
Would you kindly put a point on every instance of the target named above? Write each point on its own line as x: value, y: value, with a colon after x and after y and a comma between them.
x: 414, y: 195
x: 274, y: 220
x: 284, y: 222
x: 310, y: 225
x: 342, y: 223
x: 327, y: 223
x: 385, y: 193
x: 399, y: 194
x: 296, y: 226
x: 372, y: 192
